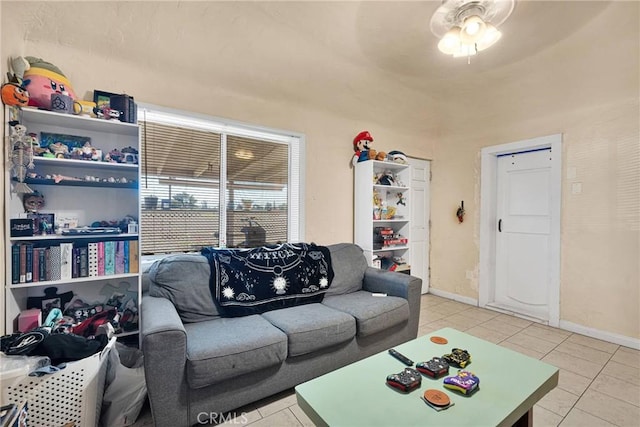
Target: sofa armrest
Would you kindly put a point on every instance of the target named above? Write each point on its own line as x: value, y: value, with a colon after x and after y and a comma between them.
x: 397, y: 285
x: 159, y: 315
x: 164, y: 344
x: 391, y: 283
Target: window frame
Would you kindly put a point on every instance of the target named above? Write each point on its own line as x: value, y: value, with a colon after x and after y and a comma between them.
x: 295, y: 142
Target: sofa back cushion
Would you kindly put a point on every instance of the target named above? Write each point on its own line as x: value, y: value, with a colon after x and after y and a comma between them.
x: 349, y: 265
x: 184, y: 280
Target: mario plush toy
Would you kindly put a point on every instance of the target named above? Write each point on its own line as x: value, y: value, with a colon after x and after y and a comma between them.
x: 361, y: 146
x: 363, y: 151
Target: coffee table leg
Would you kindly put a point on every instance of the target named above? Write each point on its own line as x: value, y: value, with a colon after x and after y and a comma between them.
x: 526, y: 420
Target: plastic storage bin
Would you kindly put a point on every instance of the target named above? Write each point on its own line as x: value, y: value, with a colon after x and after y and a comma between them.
x: 73, y: 394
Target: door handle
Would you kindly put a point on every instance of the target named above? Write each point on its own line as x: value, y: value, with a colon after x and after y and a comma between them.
x: 500, y: 225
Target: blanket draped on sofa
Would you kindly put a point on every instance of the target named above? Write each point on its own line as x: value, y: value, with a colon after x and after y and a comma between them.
x: 253, y: 281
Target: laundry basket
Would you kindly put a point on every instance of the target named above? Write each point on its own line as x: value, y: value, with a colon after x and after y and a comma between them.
x: 71, y: 395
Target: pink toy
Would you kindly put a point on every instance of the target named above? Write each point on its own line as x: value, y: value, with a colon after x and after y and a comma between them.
x: 42, y: 79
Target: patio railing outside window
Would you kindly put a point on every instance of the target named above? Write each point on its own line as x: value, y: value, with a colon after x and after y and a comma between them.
x: 191, y: 167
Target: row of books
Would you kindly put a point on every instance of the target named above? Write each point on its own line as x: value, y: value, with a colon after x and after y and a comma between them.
x: 30, y: 263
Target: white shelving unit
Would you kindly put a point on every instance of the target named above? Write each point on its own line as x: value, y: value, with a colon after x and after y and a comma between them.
x: 383, y: 208
x: 87, y: 194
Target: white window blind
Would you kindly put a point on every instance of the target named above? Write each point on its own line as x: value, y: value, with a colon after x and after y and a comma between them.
x: 192, y: 165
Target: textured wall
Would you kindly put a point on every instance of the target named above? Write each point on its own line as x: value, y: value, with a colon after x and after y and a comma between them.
x: 218, y: 58
x: 585, y: 87
x: 226, y: 59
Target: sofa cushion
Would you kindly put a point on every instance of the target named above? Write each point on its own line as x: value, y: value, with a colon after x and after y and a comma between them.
x: 349, y: 265
x: 372, y: 314
x: 224, y: 348
x: 184, y: 280
x: 312, y: 327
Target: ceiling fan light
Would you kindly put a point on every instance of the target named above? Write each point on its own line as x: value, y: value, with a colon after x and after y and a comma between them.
x: 473, y: 29
x: 450, y: 42
x: 490, y: 37
x: 465, y: 50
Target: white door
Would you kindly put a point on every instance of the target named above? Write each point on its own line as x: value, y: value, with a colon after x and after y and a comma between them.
x: 523, y: 240
x: 419, y: 201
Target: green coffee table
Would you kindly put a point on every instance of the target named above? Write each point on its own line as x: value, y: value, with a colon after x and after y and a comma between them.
x: 357, y: 395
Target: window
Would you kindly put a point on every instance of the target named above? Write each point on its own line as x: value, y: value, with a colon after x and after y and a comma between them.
x: 194, y: 165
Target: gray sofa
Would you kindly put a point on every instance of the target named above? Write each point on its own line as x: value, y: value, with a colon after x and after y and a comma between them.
x: 198, y: 363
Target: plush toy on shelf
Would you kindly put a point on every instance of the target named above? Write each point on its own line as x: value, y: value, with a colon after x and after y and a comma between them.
x: 14, y: 94
x: 41, y: 79
x: 362, y: 147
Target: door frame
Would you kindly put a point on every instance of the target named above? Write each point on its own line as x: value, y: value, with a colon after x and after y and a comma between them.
x: 488, y: 217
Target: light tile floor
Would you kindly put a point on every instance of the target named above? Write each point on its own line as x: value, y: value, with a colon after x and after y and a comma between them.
x: 598, y: 385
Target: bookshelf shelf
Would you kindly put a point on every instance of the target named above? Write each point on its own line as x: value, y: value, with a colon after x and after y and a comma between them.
x: 70, y: 183
x: 76, y: 193
x: 73, y: 280
x: 60, y: 237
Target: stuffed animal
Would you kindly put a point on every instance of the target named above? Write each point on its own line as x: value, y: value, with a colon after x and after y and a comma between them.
x: 41, y: 79
x: 361, y: 146
x: 398, y: 157
x: 14, y: 94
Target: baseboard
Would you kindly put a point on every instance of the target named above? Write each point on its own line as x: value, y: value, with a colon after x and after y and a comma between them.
x: 601, y: 335
x: 455, y: 297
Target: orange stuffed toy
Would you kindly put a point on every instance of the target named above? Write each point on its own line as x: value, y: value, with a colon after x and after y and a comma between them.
x: 14, y: 94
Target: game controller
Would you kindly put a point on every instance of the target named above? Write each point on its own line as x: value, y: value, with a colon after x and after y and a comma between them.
x: 405, y: 381
x: 434, y: 368
x: 464, y: 382
x: 458, y: 357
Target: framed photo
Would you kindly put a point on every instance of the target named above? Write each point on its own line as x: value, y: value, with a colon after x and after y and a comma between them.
x: 43, y: 223
x: 102, y: 99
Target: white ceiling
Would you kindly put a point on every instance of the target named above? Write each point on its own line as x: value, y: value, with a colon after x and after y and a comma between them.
x: 333, y: 55
x: 383, y: 52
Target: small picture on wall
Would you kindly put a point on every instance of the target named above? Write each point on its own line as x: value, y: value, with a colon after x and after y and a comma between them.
x: 43, y: 223
x: 102, y: 99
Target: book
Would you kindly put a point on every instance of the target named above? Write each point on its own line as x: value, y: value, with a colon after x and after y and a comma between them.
x: 54, y: 263
x: 134, y: 262
x: 66, y: 261
x: 42, y: 255
x: 75, y: 267
x: 23, y: 263
x: 119, y: 257
x: 109, y: 257
x: 93, y: 259
x: 36, y: 265
x: 29, y: 262
x: 126, y: 256
x: 15, y: 263
x: 84, y: 261
x: 100, y: 258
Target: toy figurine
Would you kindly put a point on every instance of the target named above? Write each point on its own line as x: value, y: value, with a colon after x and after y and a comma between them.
x: 361, y: 146
x: 59, y: 149
x: 14, y: 94
x: 42, y: 79
x: 21, y: 156
x: 33, y: 202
